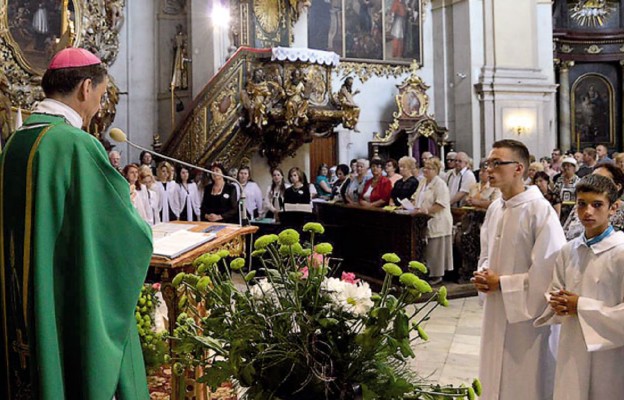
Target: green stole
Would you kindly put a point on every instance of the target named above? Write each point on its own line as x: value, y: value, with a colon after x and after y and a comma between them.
x: 73, y: 257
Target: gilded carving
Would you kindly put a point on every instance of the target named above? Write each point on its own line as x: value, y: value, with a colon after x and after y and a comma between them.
x: 346, y: 103
x: 223, y: 105
x: 592, y: 13
x: 6, y: 124
x: 565, y: 48
x: 316, y: 85
x: 593, y: 49
x: 268, y: 14
x: 364, y: 71
x: 97, y: 25
x: 296, y: 101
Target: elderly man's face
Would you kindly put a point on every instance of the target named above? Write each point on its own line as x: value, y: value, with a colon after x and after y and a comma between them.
x: 115, y: 159
x: 556, y: 155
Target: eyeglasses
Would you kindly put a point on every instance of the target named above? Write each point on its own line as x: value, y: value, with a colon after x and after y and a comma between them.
x: 497, y: 163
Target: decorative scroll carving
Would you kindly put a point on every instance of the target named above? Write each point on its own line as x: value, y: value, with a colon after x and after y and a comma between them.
x: 364, y: 71
x: 565, y: 48
x: 412, y: 115
x: 96, y: 24
x: 593, y: 49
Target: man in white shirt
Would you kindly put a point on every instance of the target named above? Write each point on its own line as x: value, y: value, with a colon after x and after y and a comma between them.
x: 520, y: 239
x: 460, y: 179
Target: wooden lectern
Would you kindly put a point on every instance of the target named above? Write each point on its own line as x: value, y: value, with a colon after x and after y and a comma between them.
x: 232, y: 238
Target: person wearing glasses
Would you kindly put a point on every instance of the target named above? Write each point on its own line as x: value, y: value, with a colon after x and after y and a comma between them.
x: 460, y: 180
x: 520, y: 239
x: 555, y: 164
x: 432, y: 198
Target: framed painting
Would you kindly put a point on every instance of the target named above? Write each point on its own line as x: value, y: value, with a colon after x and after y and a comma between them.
x: 367, y: 30
x: 39, y: 29
x: 593, y: 110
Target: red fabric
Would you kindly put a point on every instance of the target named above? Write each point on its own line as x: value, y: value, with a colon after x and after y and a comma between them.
x: 381, y: 191
x: 73, y: 57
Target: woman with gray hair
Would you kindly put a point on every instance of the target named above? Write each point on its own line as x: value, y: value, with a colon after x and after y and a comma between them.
x: 433, y: 198
x: 354, y: 191
x: 404, y: 188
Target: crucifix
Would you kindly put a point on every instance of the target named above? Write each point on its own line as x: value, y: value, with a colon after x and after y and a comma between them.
x: 22, y: 348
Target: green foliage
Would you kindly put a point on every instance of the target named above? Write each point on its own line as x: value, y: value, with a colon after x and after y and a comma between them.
x: 153, y: 344
x: 298, y: 332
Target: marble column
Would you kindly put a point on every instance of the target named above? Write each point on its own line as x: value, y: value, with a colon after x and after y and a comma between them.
x: 565, y: 136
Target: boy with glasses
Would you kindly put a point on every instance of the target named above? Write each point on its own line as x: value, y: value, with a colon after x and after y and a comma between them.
x: 520, y: 238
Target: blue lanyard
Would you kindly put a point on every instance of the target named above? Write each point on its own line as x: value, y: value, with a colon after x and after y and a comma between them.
x: 599, y: 238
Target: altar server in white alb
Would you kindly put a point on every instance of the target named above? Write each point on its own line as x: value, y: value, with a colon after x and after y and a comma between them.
x: 586, y: 297
x: 520, y: 239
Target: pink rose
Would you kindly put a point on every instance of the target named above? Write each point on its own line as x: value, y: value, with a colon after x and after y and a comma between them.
x: 304, y: 271
x: 156, y: 286
x: 349, y: 277
x: 316, y: 260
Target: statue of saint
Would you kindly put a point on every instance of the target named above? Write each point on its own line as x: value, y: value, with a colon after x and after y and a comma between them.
x: 258, y: 93
x: 347, y: 104
x: 296, y: 103
x: 180, y: 79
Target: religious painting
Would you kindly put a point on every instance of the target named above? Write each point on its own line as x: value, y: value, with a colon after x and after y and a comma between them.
x: 40, y: 28
x: 325, y: 25
x: 593, y: 110
x: 364, y: 29
x: 402, y: 33
x: 371, y: 30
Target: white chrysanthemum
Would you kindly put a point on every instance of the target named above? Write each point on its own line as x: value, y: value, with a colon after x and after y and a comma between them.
x: 264, y: 290
x: 349, y: 297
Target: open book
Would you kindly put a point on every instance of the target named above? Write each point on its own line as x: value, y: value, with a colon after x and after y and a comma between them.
x: 178, y: 243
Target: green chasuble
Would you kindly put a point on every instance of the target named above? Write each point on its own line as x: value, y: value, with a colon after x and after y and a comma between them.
x: 74, y: 254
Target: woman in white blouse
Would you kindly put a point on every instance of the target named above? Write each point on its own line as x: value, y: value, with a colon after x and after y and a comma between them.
x: 253, y: 193
x: 147, y: 179
x: 168, y: 192
x: 274, y: 199
x: 433, y: 198
x: 137, y: 191
x: 188, y: 197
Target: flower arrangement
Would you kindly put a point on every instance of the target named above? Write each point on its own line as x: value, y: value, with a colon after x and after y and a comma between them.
x: 153, y: 343
x: 297, y: 332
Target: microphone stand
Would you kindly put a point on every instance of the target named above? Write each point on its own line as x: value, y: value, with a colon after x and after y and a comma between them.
x: 242, y: 209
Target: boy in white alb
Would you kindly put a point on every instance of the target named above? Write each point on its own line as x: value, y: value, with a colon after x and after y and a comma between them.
x: 586, y: 297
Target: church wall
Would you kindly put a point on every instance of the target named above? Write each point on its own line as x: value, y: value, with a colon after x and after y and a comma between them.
x: 135, y: 75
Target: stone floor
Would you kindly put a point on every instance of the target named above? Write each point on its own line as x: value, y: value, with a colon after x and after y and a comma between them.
x: 451, y: 356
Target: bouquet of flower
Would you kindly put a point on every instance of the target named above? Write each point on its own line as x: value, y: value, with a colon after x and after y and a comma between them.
x: 298, y: 332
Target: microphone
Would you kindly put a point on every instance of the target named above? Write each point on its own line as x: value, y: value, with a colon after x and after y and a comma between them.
x: 120, y: 136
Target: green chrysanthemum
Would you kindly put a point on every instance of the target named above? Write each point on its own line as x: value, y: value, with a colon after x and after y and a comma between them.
x: 391, y: 258
x: 191, y: 279
x: 208, y: 259
x: 442, y: 300
x: 476, y: 385
x: 392, y: 269
x: 237, y: 264
x: 263, y: 241
x: 296, y: 249
x: 418, y: 266
x: 177, y: 281
x: 324, y: 248
x: 250, y: 276
x: 288, y: 237
x: 258, y: 253
x: 203, y: 283
x: 409, y: 279
x: 422, y: 334
x: 178, y: 369
x: 202, y: 268
x: 314, y: 227
x: 471, y: 394
x: 223, y: 253
x: 423, y: 286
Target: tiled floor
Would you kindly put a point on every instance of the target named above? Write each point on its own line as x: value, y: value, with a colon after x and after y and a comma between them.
x: 451, y: 356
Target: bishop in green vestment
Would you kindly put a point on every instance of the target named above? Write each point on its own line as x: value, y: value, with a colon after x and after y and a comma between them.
x: 73, y: 251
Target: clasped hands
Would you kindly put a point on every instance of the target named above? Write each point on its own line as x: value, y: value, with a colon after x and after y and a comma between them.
x: 563, y: 302
x: 485, y: 281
